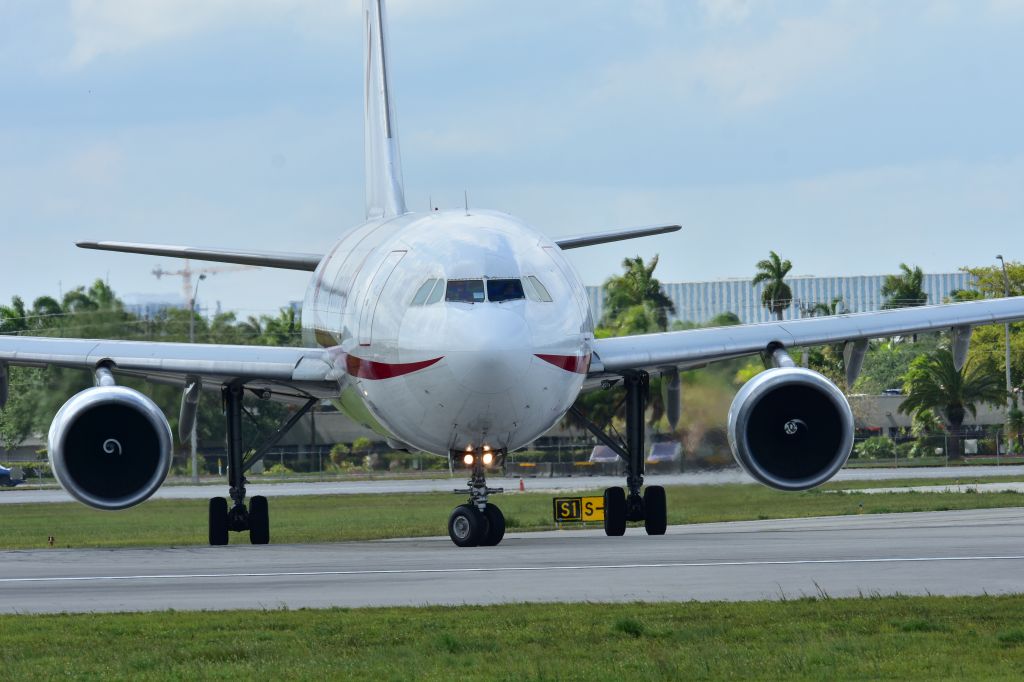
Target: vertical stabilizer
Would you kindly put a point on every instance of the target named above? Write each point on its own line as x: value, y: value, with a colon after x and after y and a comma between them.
x: 385, y: 195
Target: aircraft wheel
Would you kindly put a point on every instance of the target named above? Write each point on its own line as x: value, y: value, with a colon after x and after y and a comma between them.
x: 259, y: 521
x: 614, y: 511
x: 218, y: 521
x: 495, y: 526
x: 655, y: 510
x: 467, y: 526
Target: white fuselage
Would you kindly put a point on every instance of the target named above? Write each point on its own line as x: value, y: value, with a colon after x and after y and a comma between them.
x: 426, y: 367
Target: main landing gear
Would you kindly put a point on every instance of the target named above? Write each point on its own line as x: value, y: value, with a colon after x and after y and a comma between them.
x: 478, y: 522
x: 621, y: 507
x: 255, y: 518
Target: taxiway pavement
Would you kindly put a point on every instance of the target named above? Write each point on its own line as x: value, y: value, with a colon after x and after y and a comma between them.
x: 963, y: 552
x: 562, y: 484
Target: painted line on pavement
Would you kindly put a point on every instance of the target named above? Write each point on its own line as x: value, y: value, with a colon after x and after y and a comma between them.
x: 503, y: 569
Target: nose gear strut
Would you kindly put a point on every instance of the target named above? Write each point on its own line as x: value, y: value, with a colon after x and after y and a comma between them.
x: 478, y: 522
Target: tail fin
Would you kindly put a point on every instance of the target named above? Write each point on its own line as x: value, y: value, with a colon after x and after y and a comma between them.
x: 385, y: 195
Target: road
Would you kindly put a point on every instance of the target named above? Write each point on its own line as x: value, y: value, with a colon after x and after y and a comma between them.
x: 197, y: 492
x: 964, y: 552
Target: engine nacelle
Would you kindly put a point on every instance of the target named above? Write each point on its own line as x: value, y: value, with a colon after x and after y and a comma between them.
x: 790, y: 428
x: 110, y: 447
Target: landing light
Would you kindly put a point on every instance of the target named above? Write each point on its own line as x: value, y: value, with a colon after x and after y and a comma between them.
x: 488, y: 458
x: 467, y: 459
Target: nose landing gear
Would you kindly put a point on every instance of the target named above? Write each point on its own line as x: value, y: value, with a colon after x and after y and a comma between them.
x: 620, y: 508
x: 478, y: 522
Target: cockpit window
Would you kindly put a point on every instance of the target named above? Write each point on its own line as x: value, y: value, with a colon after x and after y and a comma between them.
x: 465, y: 291
x: 423, y: 292
x: 536, y: 290
x: 436, y: 294
x: 499, y: 290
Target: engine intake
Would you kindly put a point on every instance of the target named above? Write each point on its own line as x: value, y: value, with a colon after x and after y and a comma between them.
x: 110, y: 447
x: 790, y: 428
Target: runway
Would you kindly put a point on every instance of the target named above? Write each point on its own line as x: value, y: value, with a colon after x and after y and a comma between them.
x: 964, y: 552
x: 445, y: 484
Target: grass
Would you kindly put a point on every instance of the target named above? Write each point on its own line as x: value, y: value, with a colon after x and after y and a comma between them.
x: 920, y: 462
x: 926, y: 638
x: 911, y: 482
x: 364, y: 517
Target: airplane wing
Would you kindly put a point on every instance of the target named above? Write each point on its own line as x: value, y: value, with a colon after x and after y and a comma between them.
x: 696, y: 347
x: 268, y: 259
x: 614, y: 236
x: 281, y: 370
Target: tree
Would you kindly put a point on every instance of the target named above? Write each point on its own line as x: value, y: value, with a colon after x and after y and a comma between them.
x: 97, y: 312
x: 820, y: 309
x: 776, y: 295
x: 989, y: 281
x: 933, y: 383
x: 989, y: 341
x: 637, y: 286
x: 904, y: 290
x: 13, y: 317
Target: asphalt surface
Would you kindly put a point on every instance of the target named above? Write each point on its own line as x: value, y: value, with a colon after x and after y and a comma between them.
x: 965, y: 552
x: 24, y: 495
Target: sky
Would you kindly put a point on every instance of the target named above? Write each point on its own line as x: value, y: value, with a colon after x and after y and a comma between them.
x: 847, y: 135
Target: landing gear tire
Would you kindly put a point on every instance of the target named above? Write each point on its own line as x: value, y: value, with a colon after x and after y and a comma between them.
x: 655, y: 510
x: 495, y: 526
x: 218, y: 521
x: 467, y: 526
x: 259, y: 521
x: 614, y: 511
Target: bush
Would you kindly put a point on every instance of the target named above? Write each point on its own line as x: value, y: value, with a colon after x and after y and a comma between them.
x: 876, y: 447
x: 278, y: 470
x: 36, y: 470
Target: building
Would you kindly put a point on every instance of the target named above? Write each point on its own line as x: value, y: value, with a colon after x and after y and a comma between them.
x: 148, y: 306
x: 701, y: 301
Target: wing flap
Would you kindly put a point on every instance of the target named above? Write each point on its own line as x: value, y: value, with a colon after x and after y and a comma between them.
x: 695, y: 347
x: 266, y: 259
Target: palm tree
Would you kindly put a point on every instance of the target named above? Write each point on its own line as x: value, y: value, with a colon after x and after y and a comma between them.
x: 776, y: 296
x: 637, y: 286
x: 904, y: 290
x: 933, y: 383
x: 13, y: 317
x: 836, y: 307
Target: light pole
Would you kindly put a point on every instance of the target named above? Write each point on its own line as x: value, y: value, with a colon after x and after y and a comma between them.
x: 192, y: 339
x: 1010, y: 401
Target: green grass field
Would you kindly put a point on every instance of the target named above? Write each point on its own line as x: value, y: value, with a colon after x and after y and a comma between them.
x: 362, y: 517
x: 924, y: 638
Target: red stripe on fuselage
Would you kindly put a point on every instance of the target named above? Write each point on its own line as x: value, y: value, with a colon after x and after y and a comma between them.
x: 373, y: 370
x: 579, y: 364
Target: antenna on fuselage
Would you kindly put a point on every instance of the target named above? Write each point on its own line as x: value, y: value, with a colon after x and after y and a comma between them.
x: 465, y: 196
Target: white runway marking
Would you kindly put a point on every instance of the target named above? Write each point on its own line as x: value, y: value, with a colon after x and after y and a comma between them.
x: 505, y: 569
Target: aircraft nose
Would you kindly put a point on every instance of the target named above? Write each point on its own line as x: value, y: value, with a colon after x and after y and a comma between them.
x: 493, y: 350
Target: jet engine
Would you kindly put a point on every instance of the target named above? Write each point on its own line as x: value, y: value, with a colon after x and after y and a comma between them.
x: 110, y: 447
x: 790, y: 428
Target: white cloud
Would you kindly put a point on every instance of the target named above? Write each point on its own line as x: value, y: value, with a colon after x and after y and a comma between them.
x: 1007, y: 7
x: 745, y: 73
x: 725, y: 11
x: 108, y: 27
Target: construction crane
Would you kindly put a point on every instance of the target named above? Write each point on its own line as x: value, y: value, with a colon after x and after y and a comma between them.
x: 187, y: 272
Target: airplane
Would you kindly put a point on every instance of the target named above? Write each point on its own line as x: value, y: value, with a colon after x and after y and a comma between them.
x: 465, y: 333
